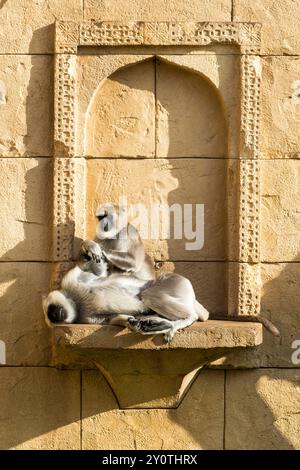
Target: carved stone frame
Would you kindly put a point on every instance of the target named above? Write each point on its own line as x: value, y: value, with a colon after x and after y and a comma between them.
x: 68, y: 206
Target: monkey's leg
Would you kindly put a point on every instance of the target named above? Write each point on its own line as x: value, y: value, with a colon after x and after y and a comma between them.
x: 168, y: 306
x: 71, y: 278
x: 156, y: 325
x: 111, y: 319
x: 150, y: 325
x: 120, y: 320
x: 178, y: 311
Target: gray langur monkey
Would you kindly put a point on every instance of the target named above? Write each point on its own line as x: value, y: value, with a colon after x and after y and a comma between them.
x: 89, y: 295
x: 121, y: 243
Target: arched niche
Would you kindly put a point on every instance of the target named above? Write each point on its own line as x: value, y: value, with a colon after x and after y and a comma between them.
x: 224, y: 58
x: 155, y: 108
x: 157, y: 134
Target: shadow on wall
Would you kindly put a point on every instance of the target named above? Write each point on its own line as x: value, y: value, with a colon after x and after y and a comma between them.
x: 25, y: 272
x: 2, y: 3
x: 168, y: 125
x: 200, y: 417
x: 255, y: 417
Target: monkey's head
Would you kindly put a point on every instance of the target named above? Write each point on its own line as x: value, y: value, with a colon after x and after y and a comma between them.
x: 58, y: 308
x: 112, y: 219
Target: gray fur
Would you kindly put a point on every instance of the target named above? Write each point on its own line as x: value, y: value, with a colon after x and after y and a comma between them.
x: 121, y: 242
x: 161, y: 306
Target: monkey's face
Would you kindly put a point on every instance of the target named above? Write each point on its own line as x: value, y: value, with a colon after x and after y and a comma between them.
x: 56, y: 313
x: 112, y: 219
x: 58, y: 309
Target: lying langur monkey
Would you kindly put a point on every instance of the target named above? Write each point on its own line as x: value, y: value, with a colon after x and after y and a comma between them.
x: 121, y: 242
x: 89, y: 295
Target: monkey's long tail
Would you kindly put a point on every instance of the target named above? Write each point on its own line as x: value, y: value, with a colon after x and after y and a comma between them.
x: 250, y: 318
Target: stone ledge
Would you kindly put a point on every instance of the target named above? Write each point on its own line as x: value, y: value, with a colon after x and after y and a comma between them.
x: 144, y: 371
x: 207, y: 335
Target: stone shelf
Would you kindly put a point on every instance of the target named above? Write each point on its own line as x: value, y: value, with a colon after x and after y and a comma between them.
x: 144, y: 371
x: 207, y: 335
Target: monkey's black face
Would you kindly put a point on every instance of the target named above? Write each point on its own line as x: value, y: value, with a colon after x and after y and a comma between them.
x: 56, y: 313
x: 106, y: 221
x: 102, y: 216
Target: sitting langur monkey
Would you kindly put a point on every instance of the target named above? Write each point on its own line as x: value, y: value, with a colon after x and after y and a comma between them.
x: 89, y: 295
x: 121, y: 243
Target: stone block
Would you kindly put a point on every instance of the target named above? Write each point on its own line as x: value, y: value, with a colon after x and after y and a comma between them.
x: 280, y: 199
x: 22, y: 324
x: 196, y: 424
x: 262, y: 410
x: 281, y: 303
x: 26, y: 105
x: 158, y: 10
x: 280, y: 104
x: 28, y: 27
x: 280, y: 25
x: 25, y: 208
x: 40, y: 409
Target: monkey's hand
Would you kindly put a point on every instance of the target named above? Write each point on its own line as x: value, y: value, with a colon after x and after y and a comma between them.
x: 91, y: 251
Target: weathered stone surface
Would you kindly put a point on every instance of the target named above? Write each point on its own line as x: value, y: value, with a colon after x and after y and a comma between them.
x: 281, y: 303
x: 22, y: 323
x: 40, y: 409
x: 93, y: 86
x: 87, y: 341
x: 26, y: 103
x: 197, y: 423
x: 280, y: 198
x: 122, y: 115
x: 25, y: 208
x: 165, y: 182
x: 208, y: 279
x: 160, y: 10
x: 190, y: 120
x: 262, y: 409
x: 280, y: 107
x: 280, y: 23
x: 118, y: 115
x: 28, y: 27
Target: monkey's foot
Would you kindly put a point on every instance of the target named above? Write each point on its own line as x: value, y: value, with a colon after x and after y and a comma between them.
x: 151, y: 327
x: 90, y: 250
x: 169, y: 336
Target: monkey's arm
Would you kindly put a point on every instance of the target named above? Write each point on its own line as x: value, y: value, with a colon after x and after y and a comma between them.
x: 121, y: 260
x: 73, y: 278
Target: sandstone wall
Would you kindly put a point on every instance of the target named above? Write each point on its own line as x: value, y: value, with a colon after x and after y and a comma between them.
x: 45, y: 408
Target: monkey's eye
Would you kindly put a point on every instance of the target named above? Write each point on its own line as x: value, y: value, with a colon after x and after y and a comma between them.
x: 101, y: 217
